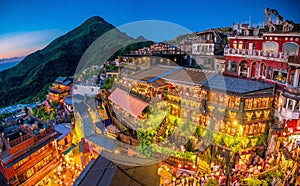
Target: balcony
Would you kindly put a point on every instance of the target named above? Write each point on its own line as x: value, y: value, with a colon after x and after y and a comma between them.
x: 292, y: 89
x: 289, y: 114
x: 274, y: 56
x: 294, y: 60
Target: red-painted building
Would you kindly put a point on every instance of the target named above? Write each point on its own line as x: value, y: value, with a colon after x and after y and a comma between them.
x: 273, y: 58
x: 28, y: 152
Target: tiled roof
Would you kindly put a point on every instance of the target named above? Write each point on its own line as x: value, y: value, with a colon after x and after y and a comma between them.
x: 236, y: 85
x: 60, y: 79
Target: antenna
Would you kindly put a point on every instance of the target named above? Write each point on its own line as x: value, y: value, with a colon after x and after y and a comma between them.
x: 250, y: 24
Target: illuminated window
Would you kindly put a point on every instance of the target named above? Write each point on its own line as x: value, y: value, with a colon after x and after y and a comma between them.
x: 21, y: 162
x: 249, y: 103
x: 251, y: 129
x: 280, y: 75
x: 235, y: 44
x: 246, y: 130
x: 27, y: 174
x: 240, y: 45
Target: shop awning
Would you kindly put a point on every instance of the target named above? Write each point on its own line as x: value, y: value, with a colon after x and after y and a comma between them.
x: 129, y: 103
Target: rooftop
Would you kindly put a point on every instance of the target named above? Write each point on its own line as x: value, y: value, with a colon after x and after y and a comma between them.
x: 64, y: 129
x: 114, y: 169
x: 236, y: 85
x: 63, y: 80
x: 129, y: 103
x: 69, y: 100
x: 174, y: 74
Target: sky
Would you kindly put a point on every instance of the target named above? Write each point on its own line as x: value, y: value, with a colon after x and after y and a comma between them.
x: 29, y: 25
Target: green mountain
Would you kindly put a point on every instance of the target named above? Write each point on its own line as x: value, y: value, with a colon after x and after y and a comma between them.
x: 31, y: 78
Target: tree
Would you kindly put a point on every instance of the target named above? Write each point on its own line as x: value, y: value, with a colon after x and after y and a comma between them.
x: 253, y: 181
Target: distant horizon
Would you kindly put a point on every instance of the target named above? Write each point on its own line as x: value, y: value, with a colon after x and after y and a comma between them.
x: 36, y: 28
x: 4, y: 59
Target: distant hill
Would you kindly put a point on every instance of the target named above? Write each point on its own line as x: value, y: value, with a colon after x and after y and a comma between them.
x: 4, y: 60
x: 9, y: 62
x: 31, y: 78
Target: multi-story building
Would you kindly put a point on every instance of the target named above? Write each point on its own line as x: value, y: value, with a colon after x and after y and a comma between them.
x: 271, y: 56
x: 230, y: 108
x: 238, y: 108
x: 207, y: 46
x: 158, y: 52
x: 60, y: 89
x: 28, y: 152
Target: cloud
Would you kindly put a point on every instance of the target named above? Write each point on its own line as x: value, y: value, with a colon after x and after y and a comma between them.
x: 19, y: 44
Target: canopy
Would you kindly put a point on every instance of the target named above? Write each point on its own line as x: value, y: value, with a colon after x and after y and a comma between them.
x: 129, y: 103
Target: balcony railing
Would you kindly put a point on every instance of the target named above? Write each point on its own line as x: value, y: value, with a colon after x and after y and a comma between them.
x: 280, y: 56
x: 17, y: 141
x: 293, y: 89
x: 294, y: 60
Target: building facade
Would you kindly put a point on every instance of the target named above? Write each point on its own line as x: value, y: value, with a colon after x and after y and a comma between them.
x: 272, y: 58
x: 28, y: 152
x: 206, y: 47
x: 60, y: 89
x: 161, y: 98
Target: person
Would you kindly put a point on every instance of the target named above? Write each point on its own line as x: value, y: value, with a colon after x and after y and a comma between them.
x: 281, y: 145
x: 235, y: 182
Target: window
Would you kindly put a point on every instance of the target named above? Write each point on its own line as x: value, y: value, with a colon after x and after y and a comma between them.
x: 235, y: 44
x: 246, y: 130
x: 240, y: 45
x: 290, y: 49
x: 263, y: 69
x: 233, y: 102
x: 250, y: 46
x: 269, y: 72
x: 249, y: 103
x: 27, y: 174
x: 270, y: 46
x: 228, y: 66
x: 244, y: 69
x: 231, y: 66
x: 21, y: 162
x: 280, y: 76
x: 43, y: 162
x: 292, y: 76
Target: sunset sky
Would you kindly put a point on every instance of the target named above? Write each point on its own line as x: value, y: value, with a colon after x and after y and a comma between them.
x: 26, y: 26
